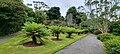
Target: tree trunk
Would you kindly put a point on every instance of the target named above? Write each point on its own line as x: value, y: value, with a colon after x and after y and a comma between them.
x: 69, y: 35
x: 34, y: 39
x: 57, y: 36
x: 78, y: 33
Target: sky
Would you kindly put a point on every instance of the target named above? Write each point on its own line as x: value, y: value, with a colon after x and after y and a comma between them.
x: 63, y: 4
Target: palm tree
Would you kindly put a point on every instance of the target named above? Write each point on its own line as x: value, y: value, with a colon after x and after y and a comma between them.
x: 35, y: 30
x: 56, y: 30
x: 69, y: 31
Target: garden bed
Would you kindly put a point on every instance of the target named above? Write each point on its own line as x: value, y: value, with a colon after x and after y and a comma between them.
x: 15, y: 45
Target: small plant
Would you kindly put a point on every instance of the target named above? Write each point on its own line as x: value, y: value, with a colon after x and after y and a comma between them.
x: 79, y: 31
x: 56, y: 30
x: 35, y: 30
x: 69, y: 31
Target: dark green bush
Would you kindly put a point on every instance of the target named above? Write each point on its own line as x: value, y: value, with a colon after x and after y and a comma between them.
x: 115, y: 28
x: 104, y: 38
x: 2, y: 34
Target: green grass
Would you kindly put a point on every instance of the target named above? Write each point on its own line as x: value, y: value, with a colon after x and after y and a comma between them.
x: 14, y: 45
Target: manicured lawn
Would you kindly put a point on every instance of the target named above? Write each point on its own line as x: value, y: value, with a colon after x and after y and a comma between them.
x: 14, y: 45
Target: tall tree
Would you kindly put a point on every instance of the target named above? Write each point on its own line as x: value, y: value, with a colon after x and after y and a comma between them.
x: 12, y: 16
x: 73, y: 11
x: 54, y: 13
x: 40, y: 16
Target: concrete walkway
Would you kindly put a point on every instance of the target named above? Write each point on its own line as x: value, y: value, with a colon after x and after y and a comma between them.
x: 87, y: 45
x: 7, y: 37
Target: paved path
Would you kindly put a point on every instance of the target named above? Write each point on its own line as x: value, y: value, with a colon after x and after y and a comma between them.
x: 87, y: 45
x: 5, y: 38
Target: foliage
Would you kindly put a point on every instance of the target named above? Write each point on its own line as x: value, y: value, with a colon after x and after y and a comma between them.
x: 30, y: 19
x: 96, y: 23
x: 61, y: 18
x: 54, y: 13
x: 12, y: 16
x: 113, y: 46
x: 96, y: 32
x: 104, y: 37
x: 79, y: 31
x: 73, y: 11
x: 40, y: 16
x: 112, y: 43
x: 106, y: 34
x: 29, y: 12
x: 31, y: 27
x: 56, y: 30
x: 69, y: 31
x: 82, y: 16
x: 56, y: 22
x: 35, y: 30
x: 115, y: 28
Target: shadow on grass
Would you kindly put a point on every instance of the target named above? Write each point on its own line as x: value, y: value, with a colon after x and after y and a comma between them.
x: 30, y: 44
x: 55, y: 39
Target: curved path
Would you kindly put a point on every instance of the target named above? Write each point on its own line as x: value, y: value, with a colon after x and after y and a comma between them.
x: 87, y: 45
x: 7, y: 37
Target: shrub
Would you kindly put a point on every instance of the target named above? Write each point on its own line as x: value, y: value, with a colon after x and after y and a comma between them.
x: 2, y: 34
x: 69, y: 31
x: 56, y: 21
x: 79, y: 31
x: 115, y: 28
x: 112, y: 46
x: 96, y: 32
x: 56, y: 30
x: 105, y: 37
x: 35, y: 30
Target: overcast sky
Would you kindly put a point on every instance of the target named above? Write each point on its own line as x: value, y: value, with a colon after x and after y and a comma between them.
x: 63, y: 4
